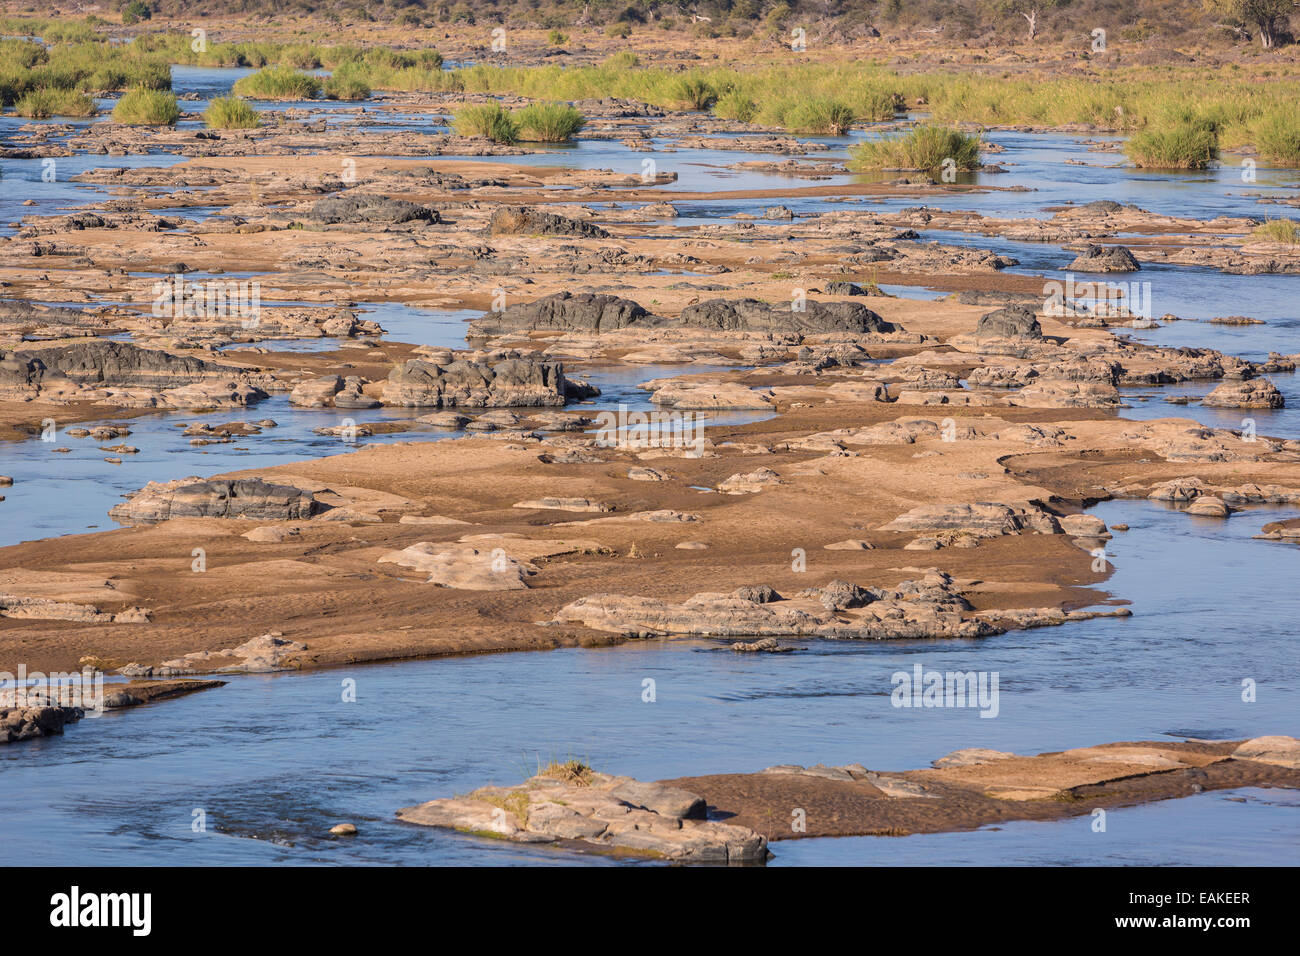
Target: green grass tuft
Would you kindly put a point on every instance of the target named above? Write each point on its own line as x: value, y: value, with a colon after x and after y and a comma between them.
x: 231, y: 112
x: 1278, y: 230
x: 923, y: 148
x: 1180, y: 140
x: 278, y: 83
x: 487, y: 119
x: 143, y: 107
x: 43, y: 104
x: 549, y: 123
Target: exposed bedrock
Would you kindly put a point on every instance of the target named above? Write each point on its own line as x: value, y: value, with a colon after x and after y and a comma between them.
x: 354, y: 207
x: 568, y: 312
x: 218, y: 498
x: 513, y: 382
x: 751, y: 315
x: 521, y: 220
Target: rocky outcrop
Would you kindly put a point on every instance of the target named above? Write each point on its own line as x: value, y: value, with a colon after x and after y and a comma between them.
x: 355, y: 207
x: 982, y: 519
x: 752, y: 315
x: 460, y: 383
x: 1012, y: 322
x: 571, y: 803
x: 1101, y: 259
x: 123, y: 374
x: 463, y: 567
x: 930, y: 607
x: 218, y: 498
x: 565, y: 311
x: 523, y: 221
x: 1252, y: 393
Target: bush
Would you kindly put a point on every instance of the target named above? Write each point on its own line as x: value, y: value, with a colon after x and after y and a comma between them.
x: 1181, y: 144
x: 278, y: 83
x: 622, y: 60
x: 827, y: 117
x: 230, y: 112
x: 694, y: 92
x: 143, y: 107
x: 42, y: 104
x: 548, y: 122
x: 135, y: 11
x: 1278, y: 230
x: 621, y: 29
x: 1277, y: 137
x: 924, y: 148
x: 488, y: 119
x: 346, y: 88
x: 735, y: 105
x: 556, y: 38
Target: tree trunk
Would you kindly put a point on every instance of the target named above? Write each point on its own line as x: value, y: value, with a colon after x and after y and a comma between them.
x: 1267, y: 32
x: 1032, y: 19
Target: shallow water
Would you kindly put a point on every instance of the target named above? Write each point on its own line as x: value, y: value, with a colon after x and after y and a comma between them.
x: 275, y: 761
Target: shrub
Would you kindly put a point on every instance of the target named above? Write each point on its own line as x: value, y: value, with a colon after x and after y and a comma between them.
x: 1278, y: 230
x: 923, y: 148
x: 1277, y: 137
x: 549, y: 122
x: 135, y: 11
x: 735, y: 105
x: 142, y: 107
x: 488, y: 119
x: 42, y: 104
x: 556, y: 38
x: 622, y: 60
x: 278, y: 83
x: 827, y: 117
x: 230, y: 112
x: 620, y: 29
x: 346, y: 88
x: 693, y: 92
x: 1180, y: 144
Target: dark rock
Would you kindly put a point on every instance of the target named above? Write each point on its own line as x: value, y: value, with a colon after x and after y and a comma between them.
x: 1013, y: 322
x: 751, y: 315
x: 1101, y: 259
x: 353, y: 207
x: 565, y: 311
x: 523, y: 221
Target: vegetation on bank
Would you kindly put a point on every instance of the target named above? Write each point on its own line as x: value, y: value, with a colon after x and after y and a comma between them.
x: 278, y: 83
x: 802, y: 98
x: 549, y: 122
x: 924, y: 148
x: 231, y: 112
x: 1278, y: 230
x: 143, y: 107
x: 1182, y: 141
x: 46, y: 103
x: 487, y: 119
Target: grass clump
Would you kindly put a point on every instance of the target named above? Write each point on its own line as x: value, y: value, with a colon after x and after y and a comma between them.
x: 735, y: 105
x: 923, y: 148
x: 1179, y: 141
x: 143, y: 107
x: 1277, y: 137
x: 572, y: 772
x: 549, y: 122
x: 1278, y: 230
x: 824, y: 117
x: 693, y: 92
x: 346, y: 87
x: 487, y: 119
x: 278, y: 83
x: 231, y: 112
x: 43, y: 104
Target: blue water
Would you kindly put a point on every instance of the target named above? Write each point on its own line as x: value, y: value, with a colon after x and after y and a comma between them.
x: 274, y: 761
